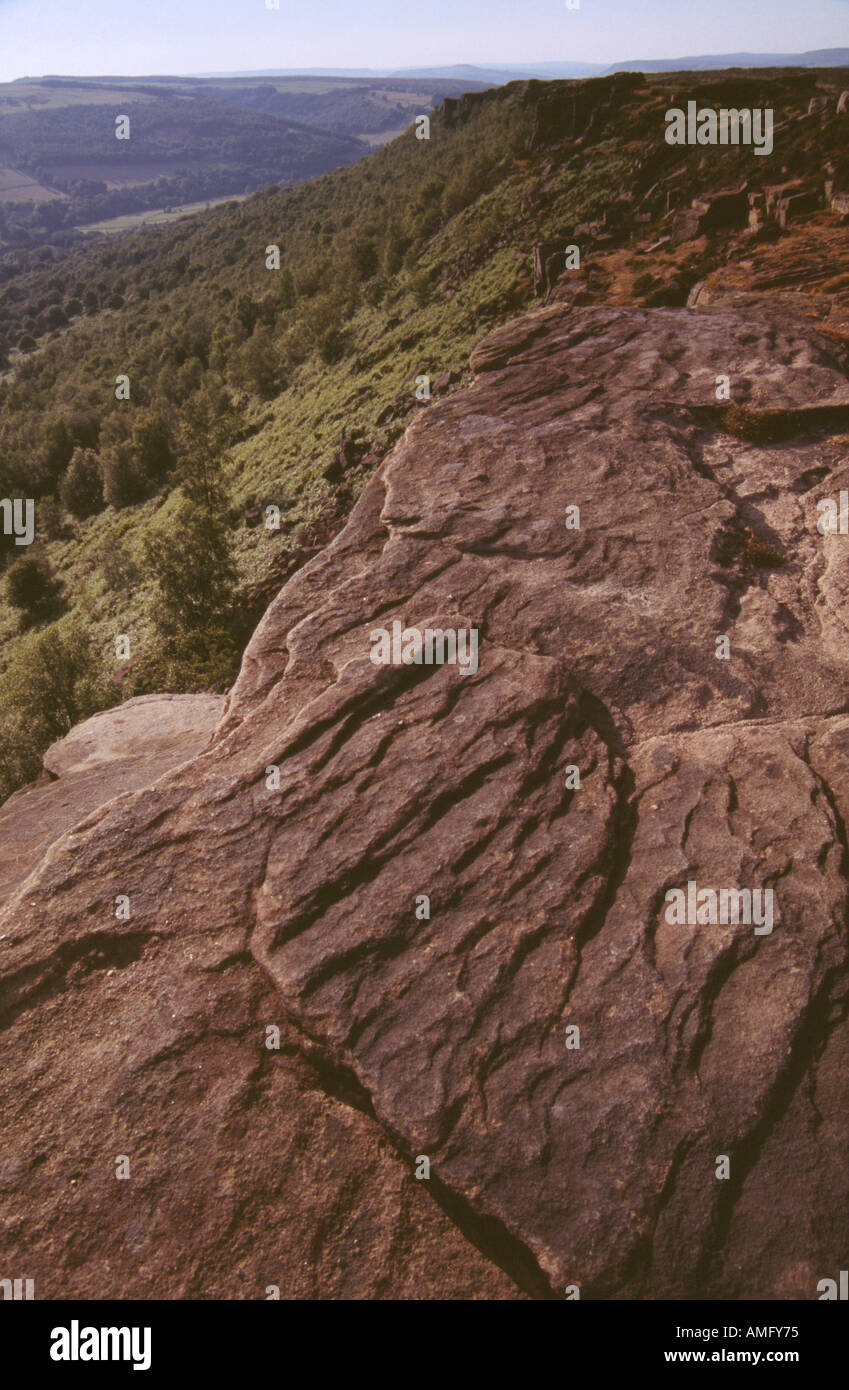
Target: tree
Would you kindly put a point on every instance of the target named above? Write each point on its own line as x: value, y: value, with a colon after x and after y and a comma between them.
x: 151, y: 441
x: 188, y: 557
x: 123, y: 484
x: 208, y: 427
x: 255, y: 364
x: 247, y: 311
x: 56, y: 317
x: 56, y: 450
x: 365, y: 258
x: 53, y: 683
x: 332, y: 345
x: 81, y: 489
x: 32, y: 586
x: 286, y: 289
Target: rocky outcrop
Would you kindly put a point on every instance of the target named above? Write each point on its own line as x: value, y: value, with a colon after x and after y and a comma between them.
x: 447, y: 887
x: 578, y: 111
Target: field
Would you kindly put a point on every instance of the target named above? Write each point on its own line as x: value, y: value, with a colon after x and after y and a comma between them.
x: 155, y: 217
x: 31, y: 95
x: 18, y: 187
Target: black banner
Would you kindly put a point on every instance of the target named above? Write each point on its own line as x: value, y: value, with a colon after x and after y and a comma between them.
x: 85, y: 1340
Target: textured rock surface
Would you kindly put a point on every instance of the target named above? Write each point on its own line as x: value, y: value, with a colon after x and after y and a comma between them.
x: 248, y: 1167
x: 153, y: 727
x: 297, y: 905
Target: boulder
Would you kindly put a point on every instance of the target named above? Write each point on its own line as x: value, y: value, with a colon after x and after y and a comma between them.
x: 250, y: 1169
x: 729, y: 208
x: 797, y: 205
x: 116, y: 751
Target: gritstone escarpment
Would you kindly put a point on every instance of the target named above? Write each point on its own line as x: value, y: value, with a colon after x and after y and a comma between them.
x: 447, y: 1036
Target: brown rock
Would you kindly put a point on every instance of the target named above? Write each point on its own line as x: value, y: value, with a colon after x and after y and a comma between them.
x: 797, y: 205
x: 729, y: 208
x: 119, y: 750
x: 249, y: 1167
x: 166, y: 728
x: 594, y: 1166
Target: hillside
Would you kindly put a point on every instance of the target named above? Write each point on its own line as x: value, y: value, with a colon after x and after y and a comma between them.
x: 390, y: 270
x: 63, y: 170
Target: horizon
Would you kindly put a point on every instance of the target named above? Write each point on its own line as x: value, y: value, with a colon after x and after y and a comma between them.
x: 206, y: 37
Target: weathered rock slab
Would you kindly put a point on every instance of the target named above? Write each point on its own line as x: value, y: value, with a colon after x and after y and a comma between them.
x: 437, y: 903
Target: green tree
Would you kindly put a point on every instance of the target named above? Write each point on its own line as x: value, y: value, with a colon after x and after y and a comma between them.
x: 57, y: 447
x: 255, y: 364
x: 53, y: 683
x: 31, y: 586
x: 151, y: 441
x: 189, y: 558
x: 365, y: 258
x: 123, y: 483
x: 81, y: 489
x: 209, y: 424
x: 286, y: 289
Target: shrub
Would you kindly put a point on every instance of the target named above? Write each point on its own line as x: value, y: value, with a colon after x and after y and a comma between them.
x: 119, y: 570
x: 50, y: 518
x: 57, y: 447
x: 332, y: 345
x: 151, y: 441
x: 255, y: 364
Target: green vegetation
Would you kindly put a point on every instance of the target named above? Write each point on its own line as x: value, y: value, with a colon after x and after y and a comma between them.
x: 53, y: 683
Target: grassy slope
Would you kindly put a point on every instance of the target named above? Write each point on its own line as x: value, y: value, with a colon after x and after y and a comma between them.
x: 285, y: 459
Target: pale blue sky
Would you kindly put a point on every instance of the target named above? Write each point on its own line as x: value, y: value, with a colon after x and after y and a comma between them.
x: 167, y: 36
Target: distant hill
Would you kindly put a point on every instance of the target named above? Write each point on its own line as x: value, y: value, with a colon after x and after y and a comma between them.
x: 497, y: 74
x: 816, y: 58
x: 492, y: 73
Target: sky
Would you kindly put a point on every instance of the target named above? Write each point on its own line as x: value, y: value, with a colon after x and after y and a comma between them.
x: 133, y: 37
